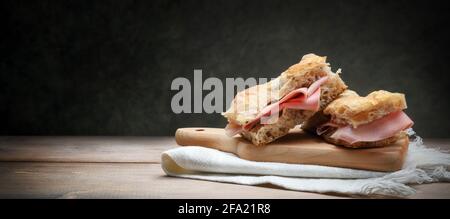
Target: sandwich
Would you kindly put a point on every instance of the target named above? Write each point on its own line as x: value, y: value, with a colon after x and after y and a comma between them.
x: 375, y: 120
x: 266, y: 112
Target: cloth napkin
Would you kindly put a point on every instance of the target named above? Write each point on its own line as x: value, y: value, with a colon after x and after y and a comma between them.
x: 422, y: 165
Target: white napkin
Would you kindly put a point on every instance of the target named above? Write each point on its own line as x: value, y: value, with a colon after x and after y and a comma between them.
x: 422, y: 165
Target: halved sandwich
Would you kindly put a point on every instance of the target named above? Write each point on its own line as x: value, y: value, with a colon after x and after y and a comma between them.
x: 268, y: 111
x: 375, y: 120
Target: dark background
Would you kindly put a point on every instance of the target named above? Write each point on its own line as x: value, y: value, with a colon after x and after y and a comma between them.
x: 105, y: 67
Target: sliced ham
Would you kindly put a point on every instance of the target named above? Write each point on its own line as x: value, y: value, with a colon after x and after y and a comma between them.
x: 377, y: 130
x: 301, y: 98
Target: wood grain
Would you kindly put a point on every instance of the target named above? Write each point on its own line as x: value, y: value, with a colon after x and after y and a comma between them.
x: 125, y: 167
x: 119, y: 180
x: 130, y: 180
x: 299, y: 147
x: 84, y: 148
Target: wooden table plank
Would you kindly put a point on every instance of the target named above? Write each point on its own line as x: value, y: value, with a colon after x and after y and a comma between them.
x: 131, y: 180
x: 100, y: 148
x: 124, y: 167
x: 119, y: 180
x: 84, y: 148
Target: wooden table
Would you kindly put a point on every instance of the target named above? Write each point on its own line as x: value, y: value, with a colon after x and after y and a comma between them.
x: 124, y: 167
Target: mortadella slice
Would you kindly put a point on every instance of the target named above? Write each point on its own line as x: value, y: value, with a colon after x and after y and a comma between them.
x: 301, y: 98
x: 376, y: 130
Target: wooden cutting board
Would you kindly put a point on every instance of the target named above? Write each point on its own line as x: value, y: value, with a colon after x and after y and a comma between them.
x: 298, y: 147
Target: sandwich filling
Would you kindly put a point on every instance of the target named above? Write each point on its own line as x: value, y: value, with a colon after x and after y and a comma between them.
x: 377, y: 130
x: 301, y: 99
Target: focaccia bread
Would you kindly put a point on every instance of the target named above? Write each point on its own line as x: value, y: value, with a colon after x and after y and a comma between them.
x: 353, y: 121
x: 356, y: 110
x: 248, y: 104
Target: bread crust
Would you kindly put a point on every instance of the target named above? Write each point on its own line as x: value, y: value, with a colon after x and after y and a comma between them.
x: 352, y: 109
x: 264, y: 134
x: 248, y: 103
x: 302, y: 74
x: 393, y: 103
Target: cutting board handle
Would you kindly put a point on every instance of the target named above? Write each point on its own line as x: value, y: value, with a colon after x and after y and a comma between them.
x: 207, y: 137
